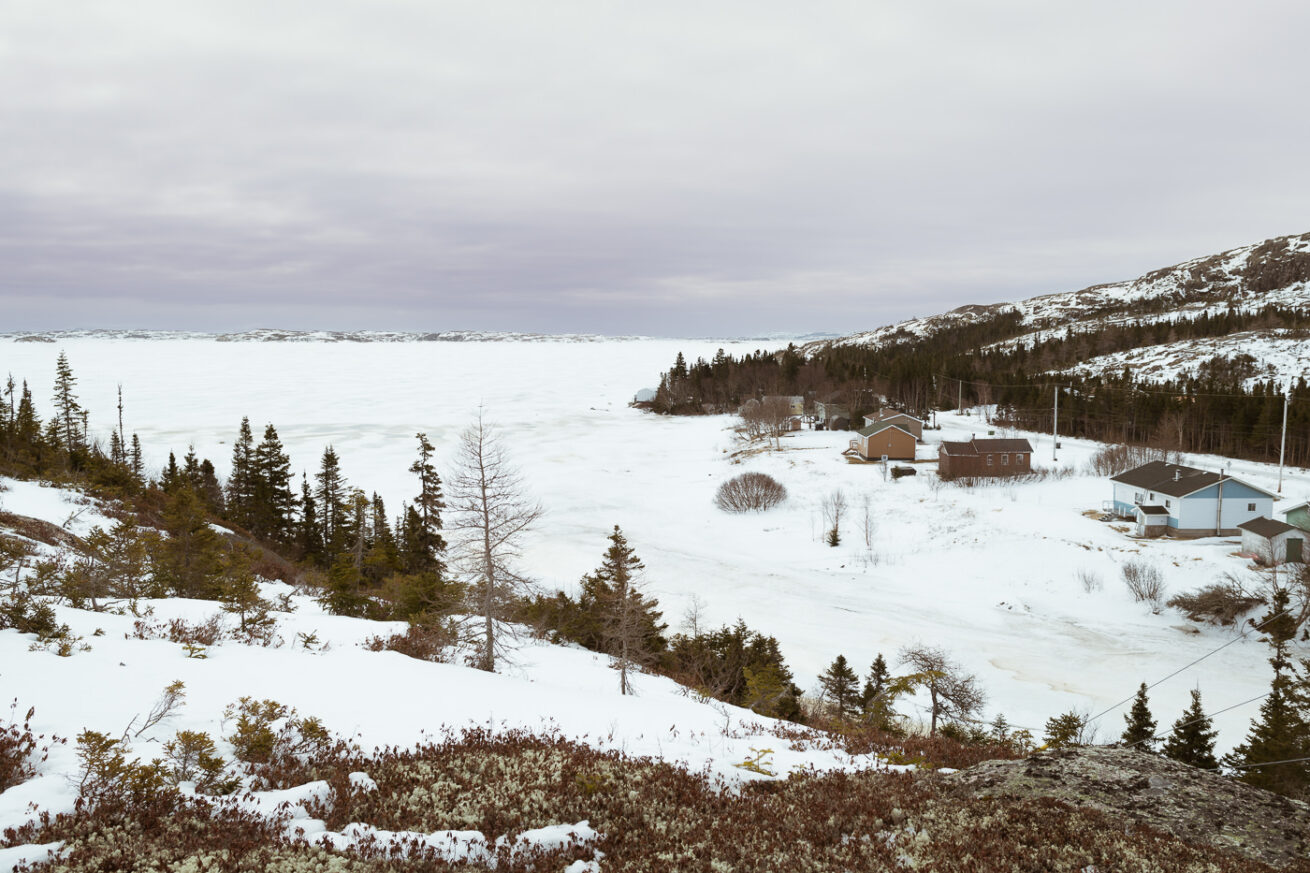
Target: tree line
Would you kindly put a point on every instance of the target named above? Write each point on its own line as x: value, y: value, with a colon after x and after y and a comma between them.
x: 1215, y: 410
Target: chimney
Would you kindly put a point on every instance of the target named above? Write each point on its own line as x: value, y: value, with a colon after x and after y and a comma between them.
x: 1178, y: 474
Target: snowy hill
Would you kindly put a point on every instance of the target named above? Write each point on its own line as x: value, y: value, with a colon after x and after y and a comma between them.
x: 1272, y: 273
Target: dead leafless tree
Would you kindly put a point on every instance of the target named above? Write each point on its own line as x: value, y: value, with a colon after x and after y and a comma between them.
x: 953, y: 695
x: 489, y: 513
x: 775, y: 412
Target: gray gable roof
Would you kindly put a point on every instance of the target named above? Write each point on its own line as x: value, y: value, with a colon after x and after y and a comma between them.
x: 1266, y: 527
x: 1175, y: 480
x: 881, y: 426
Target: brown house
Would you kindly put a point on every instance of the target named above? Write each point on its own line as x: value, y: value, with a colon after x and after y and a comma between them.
x: 876, y: 440
x: 1008, y: 457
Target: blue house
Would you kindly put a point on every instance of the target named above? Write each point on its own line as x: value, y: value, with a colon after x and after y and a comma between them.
x: 1186, y: 502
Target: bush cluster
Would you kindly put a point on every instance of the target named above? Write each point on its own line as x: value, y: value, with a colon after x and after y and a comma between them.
x: 750, y: 492
x: 1222, y: 603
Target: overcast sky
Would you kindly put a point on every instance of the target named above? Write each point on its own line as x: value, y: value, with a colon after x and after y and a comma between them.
x: 673, y: 168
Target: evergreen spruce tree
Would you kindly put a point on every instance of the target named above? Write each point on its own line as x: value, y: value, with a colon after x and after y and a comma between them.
x: 841, y: 688
x: 239, y: 593
x: 1192, y: 738
x: 240, y: 482
x: 309, y: 533
x: 27, y: 426
x: 1140, y: 730
x: 210, y: 490
x: 190, y: 558
x: 344, y: 594
x: 138, y: 466
x: 68, y: 409
x: 1066, y: 729
x: 1280, y: 732
x: 428, y: 545
x: 876, y: 683
x: 272, y: 502
x: 333, y: 501
x: 172, y: 477
x: 383, y: 558
x: 628, y: 624
x: 116, y: 453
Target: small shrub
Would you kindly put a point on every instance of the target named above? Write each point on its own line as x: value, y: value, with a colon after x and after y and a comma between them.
x: 202, y: 633
x: 17, y: 746
x: 192, y: 757
x: 426, y: 642
x: 1146, y: 583
x: 750, y: 491
x: 28, y: 615
x: 279, y: 748
x: 106, y: 771
x: 1221, y: 604
x: 1090, y: 581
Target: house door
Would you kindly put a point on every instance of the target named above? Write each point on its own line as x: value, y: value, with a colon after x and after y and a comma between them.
x: 1294, y: 550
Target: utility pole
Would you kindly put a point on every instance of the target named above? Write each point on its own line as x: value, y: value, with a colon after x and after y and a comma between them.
x: 1055, y: 426
x: 959, y: 404
x: 1282, y: 448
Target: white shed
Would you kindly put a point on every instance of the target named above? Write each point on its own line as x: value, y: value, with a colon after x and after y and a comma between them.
x: 1271, y: 541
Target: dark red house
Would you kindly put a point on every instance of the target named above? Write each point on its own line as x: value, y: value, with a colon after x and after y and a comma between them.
x: 990, y: 457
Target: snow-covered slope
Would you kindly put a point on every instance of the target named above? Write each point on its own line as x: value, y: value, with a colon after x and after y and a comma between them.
x: 1272, y: 273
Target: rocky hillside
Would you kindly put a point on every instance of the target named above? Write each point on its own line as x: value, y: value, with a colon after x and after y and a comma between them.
x: 1142, y: 790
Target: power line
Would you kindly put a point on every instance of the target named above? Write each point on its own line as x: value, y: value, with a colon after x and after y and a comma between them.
x: 1156, y: 736
x: 1261, y: 764
x: 1188, y: 666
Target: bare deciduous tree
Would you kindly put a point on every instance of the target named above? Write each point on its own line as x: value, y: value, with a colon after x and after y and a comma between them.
x: 834, y: 507
x: 489, y: 513
x: 953, y: 695
x: 775, y: 413
x: 868, y: 525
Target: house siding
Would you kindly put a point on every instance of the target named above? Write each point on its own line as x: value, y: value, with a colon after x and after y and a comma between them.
x: 1197, y: 514
x: 895, y: 444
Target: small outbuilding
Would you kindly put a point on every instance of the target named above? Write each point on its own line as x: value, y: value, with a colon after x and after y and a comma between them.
x: 1272, y: 542
x: 989, y: 457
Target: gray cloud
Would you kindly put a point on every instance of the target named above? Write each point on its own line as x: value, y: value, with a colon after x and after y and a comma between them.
x: 662, y: 168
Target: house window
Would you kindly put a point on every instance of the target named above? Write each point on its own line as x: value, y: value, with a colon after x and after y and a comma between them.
x: 989, y: 460
x: 1250, y: 507
x: 1168, y: 504
x: 1151, y: 494
x: 1005, y: 460
x: 1018, y: 459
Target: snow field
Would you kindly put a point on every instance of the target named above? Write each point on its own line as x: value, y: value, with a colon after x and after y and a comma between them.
x: 989, y: 573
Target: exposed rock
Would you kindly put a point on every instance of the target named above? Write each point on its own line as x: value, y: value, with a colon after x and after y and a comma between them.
x: 1197, y: 806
